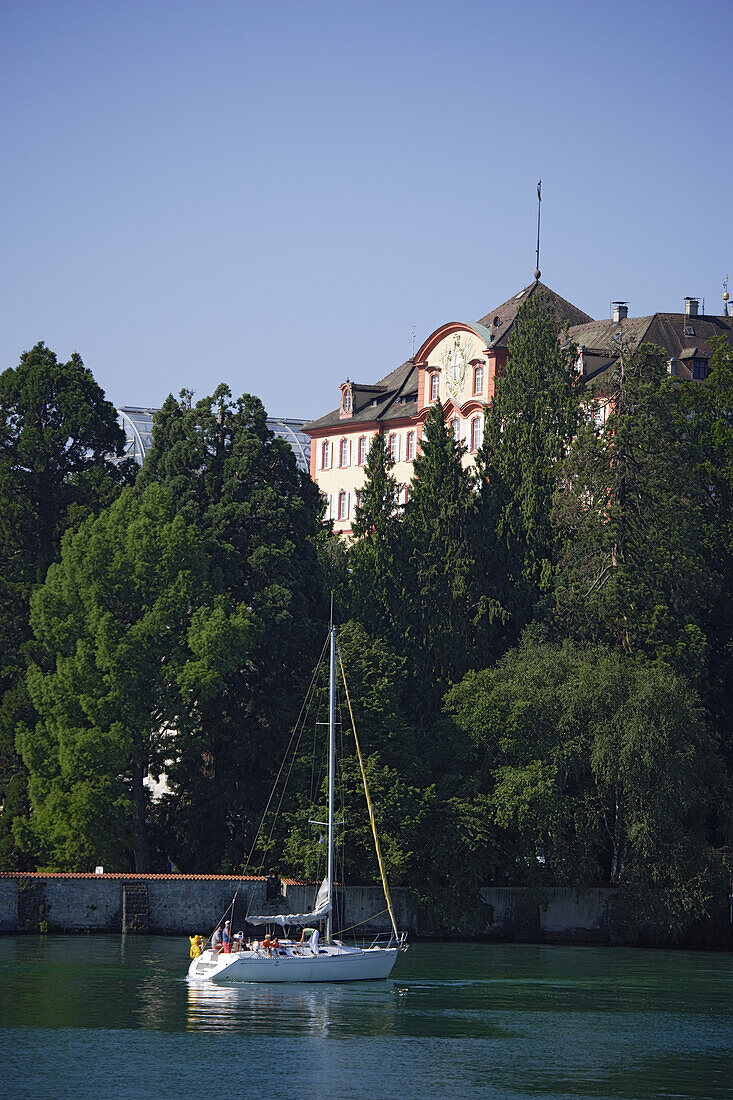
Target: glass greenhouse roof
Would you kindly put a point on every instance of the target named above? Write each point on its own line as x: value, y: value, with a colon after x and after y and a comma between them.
x: 138, y: 427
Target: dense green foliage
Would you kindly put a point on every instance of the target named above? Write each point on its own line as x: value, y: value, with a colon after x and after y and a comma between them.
x: 631, y: 507
x: 601, y: 766
x: 259, y: 519
x: 57, y: 434
x: 529, y: 425
x: 116, y: 612
x: 539, y: 649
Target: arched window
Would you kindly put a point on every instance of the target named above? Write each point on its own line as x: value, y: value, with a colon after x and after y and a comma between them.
x: 393, y: 445
x: 478, y: 379
x: 410, y: 447
x: 477, y: 432
x: 345, y: 452
x: 343, y: 505
x: 361, y: 451
x: 434, y: 386
x: 346, y: 404
x: 326, y: 454
x: 455, y: 425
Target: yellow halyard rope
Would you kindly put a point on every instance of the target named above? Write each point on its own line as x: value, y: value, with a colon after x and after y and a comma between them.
x: 372, y: 819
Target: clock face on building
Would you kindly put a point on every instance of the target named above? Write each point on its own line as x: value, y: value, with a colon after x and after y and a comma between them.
x: 457, y: 354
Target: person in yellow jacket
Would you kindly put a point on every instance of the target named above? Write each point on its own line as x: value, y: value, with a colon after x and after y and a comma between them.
x: 197, y: 945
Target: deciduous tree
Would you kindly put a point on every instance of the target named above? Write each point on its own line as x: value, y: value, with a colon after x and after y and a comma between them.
x: 122, y: 621
x: 603, y: 765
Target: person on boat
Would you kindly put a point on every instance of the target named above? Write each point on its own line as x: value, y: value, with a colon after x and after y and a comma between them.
x: 271, y: 944
x: 306, y: 935
x: 226, y: 939
x: 216, y: 944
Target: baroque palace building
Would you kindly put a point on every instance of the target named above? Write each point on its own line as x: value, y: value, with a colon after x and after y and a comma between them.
x: 460, y: 363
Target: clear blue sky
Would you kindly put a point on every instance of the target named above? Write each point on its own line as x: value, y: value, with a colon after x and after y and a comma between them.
x: 272, y: 194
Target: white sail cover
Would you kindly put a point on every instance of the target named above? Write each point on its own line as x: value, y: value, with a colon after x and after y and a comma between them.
x: 321, y: 909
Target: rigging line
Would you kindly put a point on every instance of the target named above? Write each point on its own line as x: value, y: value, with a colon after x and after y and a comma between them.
x: 292, y: 756
x: 366, y: 919
x: 317, y: 763
x: 282, y: 764
x: 372, y: 818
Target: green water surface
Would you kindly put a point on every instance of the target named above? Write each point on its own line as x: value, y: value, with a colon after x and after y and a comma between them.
x: 99, y: 1016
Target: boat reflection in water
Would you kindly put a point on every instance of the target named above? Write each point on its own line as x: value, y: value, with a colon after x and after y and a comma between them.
x: 317, y: 1010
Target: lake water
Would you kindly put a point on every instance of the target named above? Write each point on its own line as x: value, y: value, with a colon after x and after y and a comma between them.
x: 99, y: 1016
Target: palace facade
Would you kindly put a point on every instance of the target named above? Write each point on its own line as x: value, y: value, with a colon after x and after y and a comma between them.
x: 460, y: 363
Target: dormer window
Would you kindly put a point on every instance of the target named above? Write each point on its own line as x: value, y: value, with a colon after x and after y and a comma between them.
x: 346, y: 400
x: 699, y: 369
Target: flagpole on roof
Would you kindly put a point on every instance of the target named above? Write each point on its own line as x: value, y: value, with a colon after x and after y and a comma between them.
x: 539, y: 208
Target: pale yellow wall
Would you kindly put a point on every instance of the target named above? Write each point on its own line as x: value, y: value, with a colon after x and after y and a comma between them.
x: 350, y: 478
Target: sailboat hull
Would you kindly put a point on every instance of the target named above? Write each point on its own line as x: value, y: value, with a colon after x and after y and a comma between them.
x: 334, y: 965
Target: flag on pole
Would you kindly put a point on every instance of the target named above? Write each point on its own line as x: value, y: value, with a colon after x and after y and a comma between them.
x: 539, y: 190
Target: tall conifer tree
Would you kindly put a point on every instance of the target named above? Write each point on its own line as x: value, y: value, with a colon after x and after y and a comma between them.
x: 529, y: 425
x: 375, y: 559
x: 450, y: 615
x: 631, y: 511
x: 58, y: 435
x: 260, y: 519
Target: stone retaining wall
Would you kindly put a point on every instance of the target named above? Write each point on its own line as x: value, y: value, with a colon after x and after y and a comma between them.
x: 177, y: 904
x: 553, y: 913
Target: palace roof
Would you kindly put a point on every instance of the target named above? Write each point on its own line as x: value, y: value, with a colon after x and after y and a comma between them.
x: 499, y: 321
x: 683, y: 336
x: 395, y: 396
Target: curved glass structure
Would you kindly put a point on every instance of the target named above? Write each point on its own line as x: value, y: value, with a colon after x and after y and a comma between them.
x: 138, y: 427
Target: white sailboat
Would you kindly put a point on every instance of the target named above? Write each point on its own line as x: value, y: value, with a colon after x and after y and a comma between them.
x: 317, y: 960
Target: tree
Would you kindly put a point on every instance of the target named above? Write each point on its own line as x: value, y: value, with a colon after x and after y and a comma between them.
x: 630, y: 513
x: 260, y: 520
x: 704, y: 416
x: 605, y: 767
x: 123, y: 621
x: 375, y: 559
x: 529, y: 426
x: 450, y: 616
x: 58, y: 437
x: 437, y: 843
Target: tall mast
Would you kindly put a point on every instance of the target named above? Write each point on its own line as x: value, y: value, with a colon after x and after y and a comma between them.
x: 331, y: 769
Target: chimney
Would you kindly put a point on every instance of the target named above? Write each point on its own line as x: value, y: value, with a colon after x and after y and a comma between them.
x: 672, y: 366
x: 620, y: 311
x: 691, y: 307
